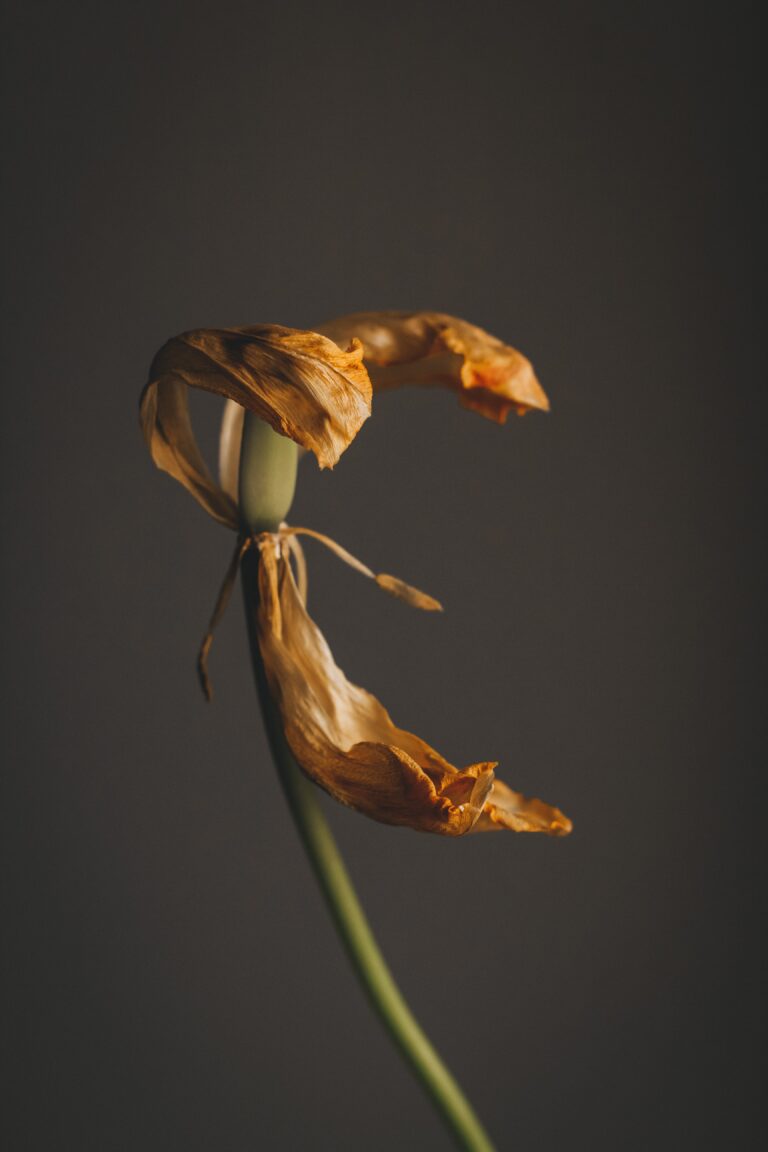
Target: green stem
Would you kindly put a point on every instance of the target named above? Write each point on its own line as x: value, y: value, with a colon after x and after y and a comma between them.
x: 264, y: 501
x: 347, y: 912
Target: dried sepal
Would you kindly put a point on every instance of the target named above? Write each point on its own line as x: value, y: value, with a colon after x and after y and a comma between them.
x: 430, y: 348
x: 343, y: 738
x: 302, y: 383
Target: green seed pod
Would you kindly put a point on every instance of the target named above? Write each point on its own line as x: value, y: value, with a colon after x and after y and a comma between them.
x: 268, y: 464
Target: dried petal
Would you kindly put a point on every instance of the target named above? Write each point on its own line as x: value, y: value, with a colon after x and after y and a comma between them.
x: 301, y: 383
x: 507, y: 809
x: 341, y: 735
x: 168, y: 432
x: 431, y: 348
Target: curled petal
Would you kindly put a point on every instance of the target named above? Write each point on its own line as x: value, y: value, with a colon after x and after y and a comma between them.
x: 168, y: 433
x: 342, y: 737
x: 431, y: 348
x: 301, y: 383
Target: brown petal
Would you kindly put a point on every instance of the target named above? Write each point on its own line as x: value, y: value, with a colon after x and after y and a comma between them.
x: 341, y: 735
x: 431, y: 348
x: 301, y: 383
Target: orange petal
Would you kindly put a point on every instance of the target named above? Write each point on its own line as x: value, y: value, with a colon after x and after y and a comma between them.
x: 507, y: 809
x: 301, y: 383
x: 341, y: 735
x: 431, y: 348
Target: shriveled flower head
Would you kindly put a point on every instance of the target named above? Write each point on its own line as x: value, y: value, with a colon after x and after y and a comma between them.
x: 316, y: 389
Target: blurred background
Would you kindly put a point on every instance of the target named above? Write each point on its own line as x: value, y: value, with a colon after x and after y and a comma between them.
x: 582, y: 180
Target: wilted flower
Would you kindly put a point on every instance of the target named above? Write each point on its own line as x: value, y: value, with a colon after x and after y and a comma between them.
x: 315, y: 388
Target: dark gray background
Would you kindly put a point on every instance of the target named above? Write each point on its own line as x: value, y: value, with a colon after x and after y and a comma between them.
x: 581, y: 179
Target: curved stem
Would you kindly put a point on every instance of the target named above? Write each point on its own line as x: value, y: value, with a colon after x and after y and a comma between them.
x: 346, y: 910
